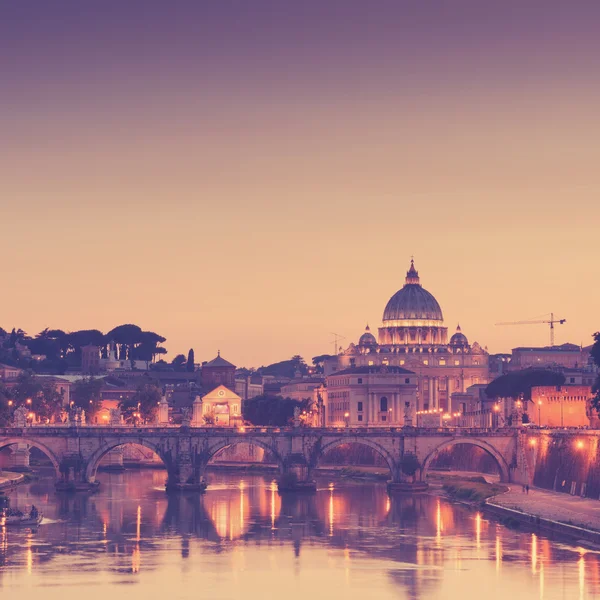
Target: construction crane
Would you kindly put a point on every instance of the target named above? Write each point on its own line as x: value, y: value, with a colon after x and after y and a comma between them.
x: 551, y: 321
x: 336, y: 339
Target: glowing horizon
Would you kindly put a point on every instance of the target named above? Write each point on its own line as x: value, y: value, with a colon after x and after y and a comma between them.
x: 251, y: 179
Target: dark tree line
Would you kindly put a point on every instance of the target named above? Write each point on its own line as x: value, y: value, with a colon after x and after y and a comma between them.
x: 271, y: 410
x: 518, y: 384
x: 63, y: 349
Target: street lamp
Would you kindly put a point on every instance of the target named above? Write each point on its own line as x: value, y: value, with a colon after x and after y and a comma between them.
x: 347, y: 417
x: 390, y: 416
x: 539, y: 413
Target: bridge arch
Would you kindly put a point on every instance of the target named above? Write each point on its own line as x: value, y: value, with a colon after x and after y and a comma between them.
x: 34, y: 444
x: 385, y: 454
x: 234, y: 441
x: 500, y: 461
x: 94, y: 460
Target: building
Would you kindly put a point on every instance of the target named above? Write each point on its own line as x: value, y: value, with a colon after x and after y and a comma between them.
x: 562, y: 406
x: 369, y: 396
x: 8, y: 373
x: 221, y: 407
x: 218, y: 372
x: 413, y: 337
x: 250, y: 386
x: 302, y: 388
x: 566, y: 356
x: 92, y: 361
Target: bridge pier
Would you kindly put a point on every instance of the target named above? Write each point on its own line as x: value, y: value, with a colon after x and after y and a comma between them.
x: 406, y: 484
x: 185, y: 477
x: 296, y: 476
x: 20, y: 458
x: 73, y: 476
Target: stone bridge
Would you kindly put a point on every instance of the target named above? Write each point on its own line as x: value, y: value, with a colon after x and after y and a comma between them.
x: 76, y: 452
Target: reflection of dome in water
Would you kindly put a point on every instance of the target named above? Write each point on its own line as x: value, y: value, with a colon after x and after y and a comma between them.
x: 412, y: 302
x: 459, y: 339
x: 367, y: 338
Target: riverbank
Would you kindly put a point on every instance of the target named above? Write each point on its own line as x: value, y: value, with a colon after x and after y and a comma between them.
x: 339, y: 471
x: 550, y: 511
x: 8, y: 479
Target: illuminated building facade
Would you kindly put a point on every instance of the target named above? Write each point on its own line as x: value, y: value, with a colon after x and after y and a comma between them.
x: 413, y: 337
x: 369, y: 396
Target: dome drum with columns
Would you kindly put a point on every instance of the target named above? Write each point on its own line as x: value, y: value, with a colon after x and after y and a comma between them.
x: 413, y: 336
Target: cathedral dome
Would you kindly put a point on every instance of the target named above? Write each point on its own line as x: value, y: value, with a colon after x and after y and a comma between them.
x: 459, y: 339
x: 367, y: 338
x: 412, y: 302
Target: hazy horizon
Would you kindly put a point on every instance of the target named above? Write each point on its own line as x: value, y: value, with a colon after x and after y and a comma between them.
x: 250, y: 177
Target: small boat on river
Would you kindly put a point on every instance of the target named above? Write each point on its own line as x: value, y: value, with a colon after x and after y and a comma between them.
x: 11, y: 518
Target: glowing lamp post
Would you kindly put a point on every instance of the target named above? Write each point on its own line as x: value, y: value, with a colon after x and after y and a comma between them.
x: 539, y: 413
x: 347, y: 418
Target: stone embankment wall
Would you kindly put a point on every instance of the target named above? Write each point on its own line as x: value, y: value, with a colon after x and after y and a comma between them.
x: 569, y: 464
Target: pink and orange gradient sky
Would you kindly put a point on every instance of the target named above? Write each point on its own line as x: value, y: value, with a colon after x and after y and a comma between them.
x: 252, y: 176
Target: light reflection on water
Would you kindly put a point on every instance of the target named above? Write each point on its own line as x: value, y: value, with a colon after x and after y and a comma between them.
x: 243, y: 540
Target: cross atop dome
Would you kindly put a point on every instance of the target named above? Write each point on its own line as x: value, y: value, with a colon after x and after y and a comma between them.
x: 412, y: 276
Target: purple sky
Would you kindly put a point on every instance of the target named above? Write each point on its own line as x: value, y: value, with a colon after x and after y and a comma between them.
x: 272, y: 166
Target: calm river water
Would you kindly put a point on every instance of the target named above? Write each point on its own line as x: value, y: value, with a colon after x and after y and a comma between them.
x: 242, y: 540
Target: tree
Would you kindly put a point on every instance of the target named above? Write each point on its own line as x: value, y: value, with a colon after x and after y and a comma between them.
x: 286, y: 368
x: 270, y: 410
x: 125, y: 336
x: 39, y: 395
x: 178, y: 363
x: 5, y: 408
x: 143, y: 403
x: 409, y: 464
x: 319, y: 362
x: 190, y: 366
x: 86, y: 395
x: 519, y: 383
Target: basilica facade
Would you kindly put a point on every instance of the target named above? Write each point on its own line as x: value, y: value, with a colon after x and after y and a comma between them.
x: 413, y: 337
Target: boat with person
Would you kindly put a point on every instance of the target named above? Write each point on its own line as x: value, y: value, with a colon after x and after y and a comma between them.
x: 12, y: 517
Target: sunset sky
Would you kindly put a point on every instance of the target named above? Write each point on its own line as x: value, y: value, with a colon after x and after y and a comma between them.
x: 252, y: 175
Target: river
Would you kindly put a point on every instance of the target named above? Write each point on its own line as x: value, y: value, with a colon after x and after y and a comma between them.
x: 242, y: 540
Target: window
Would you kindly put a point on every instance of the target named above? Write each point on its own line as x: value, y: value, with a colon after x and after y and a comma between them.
x: 426, y: 361
x: 407, y: 380
x: 383, y: 404
x: 572, y: 379
x: 383, y: 417
x: 370, y: 363
x: 360, y: 380
x: 234, y: 409
x: 456, y: 363
x: 360, y: 417
x: 442, y: 361
x: 402, y: 361
x: 360, y: 406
